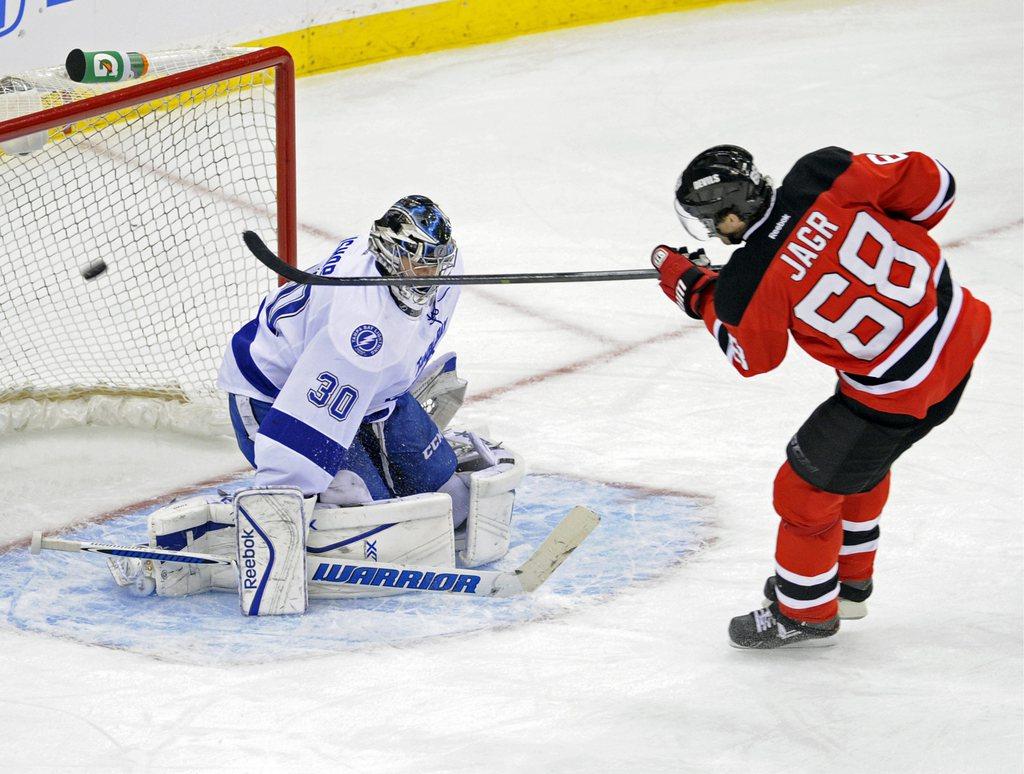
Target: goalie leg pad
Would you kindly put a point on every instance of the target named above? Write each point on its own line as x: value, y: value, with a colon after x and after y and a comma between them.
x: 271, y: 529
x: 415, y: 530
x: 493, y: 473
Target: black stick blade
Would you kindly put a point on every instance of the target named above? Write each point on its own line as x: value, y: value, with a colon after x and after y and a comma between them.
x: 265, y: 256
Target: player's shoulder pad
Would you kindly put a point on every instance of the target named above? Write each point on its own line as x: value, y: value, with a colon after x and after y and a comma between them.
x: 811, y: 176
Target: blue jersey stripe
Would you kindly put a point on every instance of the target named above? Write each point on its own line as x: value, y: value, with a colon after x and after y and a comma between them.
x: 276, y: 312
x: 240, y: 344
x: 324, y: 452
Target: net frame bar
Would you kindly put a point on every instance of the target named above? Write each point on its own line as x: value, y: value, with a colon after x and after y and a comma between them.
x: 146, y: 91
x: 139, y: 408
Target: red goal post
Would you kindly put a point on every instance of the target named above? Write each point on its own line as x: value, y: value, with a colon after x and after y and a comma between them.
x: 122, y: 220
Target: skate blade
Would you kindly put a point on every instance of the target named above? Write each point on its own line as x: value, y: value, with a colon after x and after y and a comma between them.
x: 816, y: 642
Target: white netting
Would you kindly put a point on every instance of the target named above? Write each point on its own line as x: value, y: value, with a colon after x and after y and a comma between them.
x: 160, y: 194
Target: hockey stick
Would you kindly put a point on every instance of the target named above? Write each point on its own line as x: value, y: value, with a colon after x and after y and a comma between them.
x: 561, y: 542
x: 133, y: 552
x: 267, y: 258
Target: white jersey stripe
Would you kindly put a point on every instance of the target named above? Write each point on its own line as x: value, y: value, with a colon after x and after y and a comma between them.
x: 863, y: 548
x: 859, y: 526
x: 245, y: 413
x: 915, y: 335
x: 922, y: 373
x: 940, y: 197
x: 803, y: 604
x: 767, y: 213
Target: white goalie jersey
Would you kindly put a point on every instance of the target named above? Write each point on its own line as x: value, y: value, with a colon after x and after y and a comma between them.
x: 328, y: 359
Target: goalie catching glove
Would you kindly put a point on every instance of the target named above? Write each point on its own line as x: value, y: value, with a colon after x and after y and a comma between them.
x: 684, y: 277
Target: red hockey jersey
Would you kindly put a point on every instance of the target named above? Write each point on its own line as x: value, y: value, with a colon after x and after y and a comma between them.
x: 843, y: 261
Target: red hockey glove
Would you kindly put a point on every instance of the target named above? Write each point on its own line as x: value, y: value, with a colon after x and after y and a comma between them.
x: 684, y: 277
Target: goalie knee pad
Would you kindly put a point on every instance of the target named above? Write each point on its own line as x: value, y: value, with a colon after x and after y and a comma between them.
x: 408, y: 530
x: 492, y: 474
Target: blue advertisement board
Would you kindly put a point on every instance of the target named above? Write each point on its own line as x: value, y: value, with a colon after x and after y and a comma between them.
x: 12, y: 13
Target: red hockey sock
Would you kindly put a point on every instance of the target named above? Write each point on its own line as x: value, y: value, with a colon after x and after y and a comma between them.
x: 807, y: 549
x: 860, y: 514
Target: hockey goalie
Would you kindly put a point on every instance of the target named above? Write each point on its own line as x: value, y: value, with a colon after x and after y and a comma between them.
x: 338, y: 403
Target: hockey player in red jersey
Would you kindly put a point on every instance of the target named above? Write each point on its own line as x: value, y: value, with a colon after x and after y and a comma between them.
x: 839, y: 257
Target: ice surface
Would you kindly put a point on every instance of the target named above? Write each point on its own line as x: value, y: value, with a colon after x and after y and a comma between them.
x: 643, y: 536
x: 559, y: 152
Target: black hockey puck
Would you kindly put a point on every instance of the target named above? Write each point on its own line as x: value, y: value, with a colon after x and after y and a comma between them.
x: 93, y: 269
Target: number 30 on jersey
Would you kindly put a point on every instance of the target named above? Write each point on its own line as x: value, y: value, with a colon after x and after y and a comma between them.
x: 339, y: 400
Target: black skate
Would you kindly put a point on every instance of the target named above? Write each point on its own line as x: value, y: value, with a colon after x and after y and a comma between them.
x: 768, y: 628
x: 852, y: 598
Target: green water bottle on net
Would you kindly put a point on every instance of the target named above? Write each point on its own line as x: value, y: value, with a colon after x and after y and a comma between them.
x: 105, y: 66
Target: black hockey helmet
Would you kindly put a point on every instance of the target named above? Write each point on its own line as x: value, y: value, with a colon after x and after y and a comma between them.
x: 719, y: 181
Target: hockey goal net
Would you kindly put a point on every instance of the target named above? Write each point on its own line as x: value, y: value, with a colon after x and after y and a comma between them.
x: 124, y: 272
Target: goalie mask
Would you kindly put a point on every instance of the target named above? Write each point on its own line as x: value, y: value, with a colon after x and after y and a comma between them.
x: 720, y: 181
x: 413, y: 238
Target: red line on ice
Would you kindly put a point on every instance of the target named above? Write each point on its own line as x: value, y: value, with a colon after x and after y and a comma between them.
x: 125, y: 510
x: 579, y: 365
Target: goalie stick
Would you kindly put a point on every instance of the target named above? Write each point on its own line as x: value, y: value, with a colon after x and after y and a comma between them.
x: 562, y: 541
x: 132, y: 552
x: 266, y: 256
